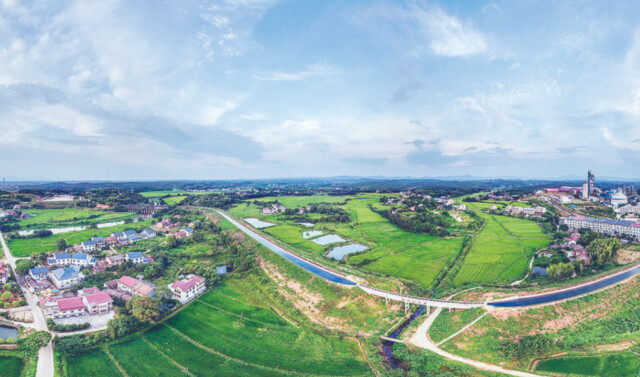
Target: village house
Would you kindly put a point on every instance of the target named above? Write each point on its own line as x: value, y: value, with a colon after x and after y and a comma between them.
x: 88, y: 291
x: 148, y: 234
x: 164, y: 224
x: 60, y: 259
x: 132, y: 286
x: 82, y: 260
x: 88, y: 246
x: 98, y: 303
x: 64, y: 278
x: 115, y: 260
x: 137, y: 257
x: 183, y: 233
x: 188, y: 288
x: 39, y: 273
x: 63, y: 307
x: 111, y: 240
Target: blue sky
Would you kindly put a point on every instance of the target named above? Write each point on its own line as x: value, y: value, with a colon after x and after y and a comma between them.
x: 266, y: 88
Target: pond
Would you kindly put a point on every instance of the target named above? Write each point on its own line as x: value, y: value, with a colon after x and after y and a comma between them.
x: 539, y: 271
x: 8, y: 332
x: 257, y: 223
x: 339, y: 252
x: 113, y: 223
x: 328, y: 239
x: 311, y: 234
x: 308, y: 225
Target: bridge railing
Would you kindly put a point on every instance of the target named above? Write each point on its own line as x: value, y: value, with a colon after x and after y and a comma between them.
x: 384, y: 293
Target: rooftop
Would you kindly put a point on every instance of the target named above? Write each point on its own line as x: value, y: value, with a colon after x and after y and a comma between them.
x: 71, y: 303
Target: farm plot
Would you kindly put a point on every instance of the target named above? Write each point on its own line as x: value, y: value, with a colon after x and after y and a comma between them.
x: 94, y: 363
x: 221, y: 333
x: 54, y: 218
x: 24, y: 247
x: 611, y: 365
x: 501, y: 252
x: 11, y: 366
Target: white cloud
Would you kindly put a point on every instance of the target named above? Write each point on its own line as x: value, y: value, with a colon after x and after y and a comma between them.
x: 315, y: 70
x: 450, y: 36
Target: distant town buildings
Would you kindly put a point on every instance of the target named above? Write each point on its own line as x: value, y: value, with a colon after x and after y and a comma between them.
x: 606, y: 226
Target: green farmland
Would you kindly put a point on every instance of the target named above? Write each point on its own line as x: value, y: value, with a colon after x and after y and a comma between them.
x: 609, y: 365
x: 501, y: 251
x: 24, y: 247
x: 392, y: 251
x: 223, y: 334
x: 58, y: 218
x: 11, y: 366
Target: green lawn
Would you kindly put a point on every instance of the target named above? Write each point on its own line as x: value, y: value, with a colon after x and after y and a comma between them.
x: 172, y: 200
x: 223, y: 334
x: 502, y: 251
x: 610, y: 365
x: 24, y: 247
x: 11, y: 366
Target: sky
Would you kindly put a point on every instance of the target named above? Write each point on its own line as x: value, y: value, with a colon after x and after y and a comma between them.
x: 227, y: 89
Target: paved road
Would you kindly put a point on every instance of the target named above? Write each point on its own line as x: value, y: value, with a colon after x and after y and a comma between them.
x: 421, y: 339
x: 45, y: 356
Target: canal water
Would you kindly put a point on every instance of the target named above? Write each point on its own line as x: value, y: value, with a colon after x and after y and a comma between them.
x: 387, y: 345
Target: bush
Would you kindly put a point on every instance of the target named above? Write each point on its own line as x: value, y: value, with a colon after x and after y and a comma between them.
x: 66, y: 328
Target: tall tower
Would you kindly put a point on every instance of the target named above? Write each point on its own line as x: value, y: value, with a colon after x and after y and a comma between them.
x: 590, y: 182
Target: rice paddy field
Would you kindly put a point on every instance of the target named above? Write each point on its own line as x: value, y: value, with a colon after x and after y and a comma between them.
x: 11, y: 366
x: 24, y: 247
x: 501, y: 251
x: 64, y: 217
x: 609, y: 365
x: 392, y: 251
x: 223, y: 334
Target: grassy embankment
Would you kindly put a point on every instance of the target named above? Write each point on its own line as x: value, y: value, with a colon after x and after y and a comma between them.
x: 598, y: 325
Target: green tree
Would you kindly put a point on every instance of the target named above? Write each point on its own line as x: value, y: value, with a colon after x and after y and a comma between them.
x: 61, y: 244
x: 603, y: 250
x: 23, y: 266
x: 587, y: 238
x: 171, y: 241
x: 35, y: 341
x: 146, y: 309
x: 6, y: 296
x: 7, y: 287
x: 163, y: 293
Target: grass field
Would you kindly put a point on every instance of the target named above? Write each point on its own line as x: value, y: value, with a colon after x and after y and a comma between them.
x: 24, y: 247
x: 392, y: 251
x: 609, y: 365
x: 11, y: 366
x: 173, y: 200
x: 223, y: 334
x: 501, y: 251
x: 448, y: 323
x: 55, y: 218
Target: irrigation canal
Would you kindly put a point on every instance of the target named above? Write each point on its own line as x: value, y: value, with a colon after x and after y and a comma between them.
x: 335, y: 277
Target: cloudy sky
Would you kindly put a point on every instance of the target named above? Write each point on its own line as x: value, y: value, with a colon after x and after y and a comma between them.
x: 265, y: 88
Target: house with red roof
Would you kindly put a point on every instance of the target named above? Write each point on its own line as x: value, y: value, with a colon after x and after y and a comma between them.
x: 63, y: 307
x: 98, y: 303
x: 135, y: 287
x: 188, y: 288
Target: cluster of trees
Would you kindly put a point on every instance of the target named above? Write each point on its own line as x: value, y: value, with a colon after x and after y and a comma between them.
x: 603, y: 250
x: 223, y: 201
x: 435, y: 224
x: 529, y: 347
x: 34, y: 341
x: 559, y: 271
x: 66, y: 328
x: 114, y: 197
